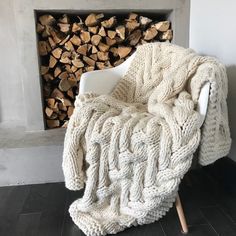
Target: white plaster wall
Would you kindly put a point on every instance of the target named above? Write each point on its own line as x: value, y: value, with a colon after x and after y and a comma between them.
x: 11, y: 110
x: 213, y: 32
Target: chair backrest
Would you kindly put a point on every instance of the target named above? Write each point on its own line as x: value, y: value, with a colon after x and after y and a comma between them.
x: 203, y: 96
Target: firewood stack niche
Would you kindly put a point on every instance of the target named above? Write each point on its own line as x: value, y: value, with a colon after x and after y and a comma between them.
x: 71, y: 45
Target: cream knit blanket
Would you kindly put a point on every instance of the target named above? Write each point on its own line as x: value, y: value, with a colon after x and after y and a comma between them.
x: 133, y: 147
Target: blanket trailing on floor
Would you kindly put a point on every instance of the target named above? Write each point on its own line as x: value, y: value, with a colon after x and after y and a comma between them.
x: 132, y: 148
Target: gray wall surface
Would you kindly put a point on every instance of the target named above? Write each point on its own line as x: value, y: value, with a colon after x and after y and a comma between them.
x: 11, y: 93
x: 212, y: 32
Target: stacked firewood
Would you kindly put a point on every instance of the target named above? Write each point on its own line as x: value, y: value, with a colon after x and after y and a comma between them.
x: 69, y: 46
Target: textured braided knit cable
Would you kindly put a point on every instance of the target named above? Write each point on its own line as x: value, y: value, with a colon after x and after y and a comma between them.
x: 132, y: 148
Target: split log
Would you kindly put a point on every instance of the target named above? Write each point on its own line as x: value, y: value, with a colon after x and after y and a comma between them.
x: 51, y: 102
x: 82, y: 49
x: 57, y: 52
x: 103, y: 65
x: 57, y: 71
x: 111, y: 34
x: 76, y: 40
x: 65, y: 124
x: 94, y: 56
x: 48, y: 112
x: 64, y: 85
x: 150, y: 34
x: 49, y: 49
x: 89, y: 61
x: 168, y: 35
x: 85, y: 36
x: 114, y: 51
x: 70, y: 93
x: 89, y: 68
x: 62, y: 116
x: 121, y: 31
x: 95, y: 40
x: 118, y: 62
x: 69, y: 46
x: 63, y: 75
x: 53, y: 123
x: 144, y: 21
x: 51, y: 42
x: 102, y: 32
x: 89, y: 47
x: 103, y: 47
x: 162, y: 26
x: 78, y: 74
x: 47, y: 31
x: 68, y: 67
x: 133, y: 16
x: 64, y: 19
x: 62, y: 107
x: 93, y: 19
x: 132, y: 25
x: 48, y: 77
x: 103, y: 56
x: 65, y: 28
x: 64, y: 40
x: 39, y: 28
x: 110, y: 42
x: 73, y: 69
x: 94, y: 50
x: 66, y: 102
x: 65, y: 60
x: 124, y: 51
x: 52, y: 61
x: 77, y: 27
x: 47, y: 20
x: 134, y: 37
x: 109, y: 23
x: 44, y: 70
x: 93, y: 29
x: 78, y: 63
x: 42, y: 48
x: 57, y: 37
x: 70, y: 111
x: 72, y: 80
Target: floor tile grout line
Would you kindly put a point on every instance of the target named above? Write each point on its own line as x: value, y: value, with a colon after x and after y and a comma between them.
x: 65, y: 209
x: 162, y: 229
x: 209, y: 222
x: 226, y: 214
x: 194, y: 225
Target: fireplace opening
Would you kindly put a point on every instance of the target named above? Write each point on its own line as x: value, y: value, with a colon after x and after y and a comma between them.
x: 71, y: 43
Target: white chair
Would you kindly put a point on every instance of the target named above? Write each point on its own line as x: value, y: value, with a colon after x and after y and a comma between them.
x: 103, y: 82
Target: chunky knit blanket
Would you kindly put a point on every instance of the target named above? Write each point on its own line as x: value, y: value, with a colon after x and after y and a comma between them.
x: 132, y: 148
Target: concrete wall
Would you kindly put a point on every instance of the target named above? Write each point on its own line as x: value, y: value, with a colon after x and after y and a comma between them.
x: 10, y: 81
x: 212, y: 32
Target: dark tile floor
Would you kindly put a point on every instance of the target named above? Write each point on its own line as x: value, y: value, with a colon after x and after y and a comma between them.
x: 209, y: 201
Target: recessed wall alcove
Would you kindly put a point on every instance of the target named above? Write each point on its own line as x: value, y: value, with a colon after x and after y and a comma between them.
x: 30, y: 148
x: 175, y: 11
x: 70, y: 45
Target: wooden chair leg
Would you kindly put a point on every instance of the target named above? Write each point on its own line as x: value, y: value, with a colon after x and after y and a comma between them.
x: 181, y: 215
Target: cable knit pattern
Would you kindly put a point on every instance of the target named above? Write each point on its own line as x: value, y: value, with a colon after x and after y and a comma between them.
x: 133, y: 147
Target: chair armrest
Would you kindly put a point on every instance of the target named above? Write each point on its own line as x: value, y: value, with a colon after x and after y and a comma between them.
x: 103, y: 81
x: 203, y: 101
x: 100, y: 81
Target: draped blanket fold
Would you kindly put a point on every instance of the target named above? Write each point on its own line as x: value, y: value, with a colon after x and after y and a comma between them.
x: 130, y: 149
